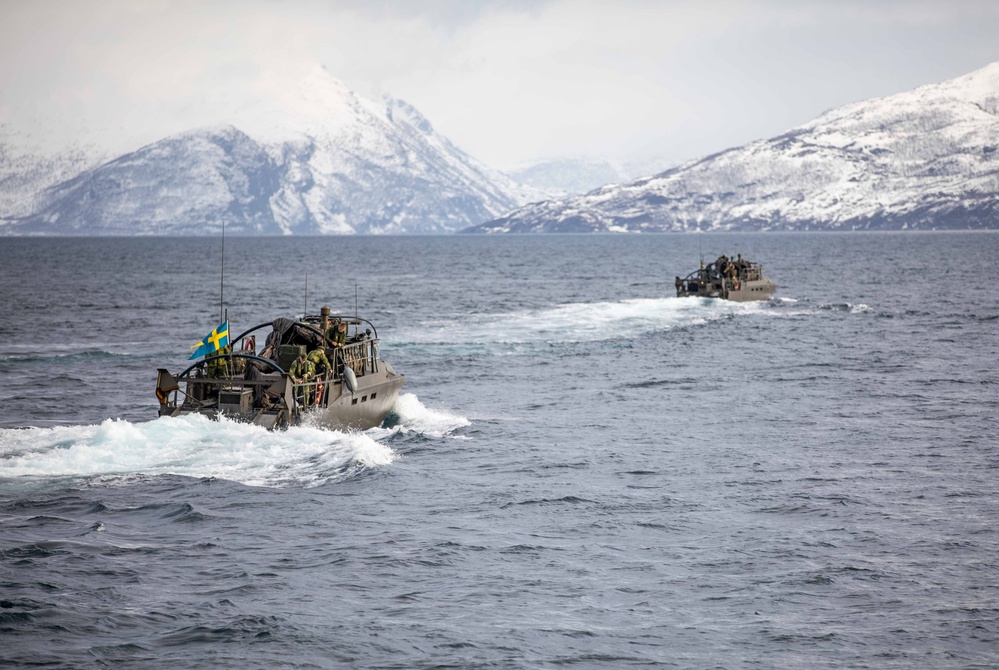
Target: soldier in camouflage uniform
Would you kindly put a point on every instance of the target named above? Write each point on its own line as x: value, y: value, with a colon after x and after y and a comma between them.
x: 318, y: 358
x: 217, y: 365
x: 322, y: 365
x: 337, y: 334
x: 302, y: 372
x: 330, y: 333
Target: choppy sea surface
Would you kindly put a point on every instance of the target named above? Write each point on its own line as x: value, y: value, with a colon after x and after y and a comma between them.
x: 582, y: 470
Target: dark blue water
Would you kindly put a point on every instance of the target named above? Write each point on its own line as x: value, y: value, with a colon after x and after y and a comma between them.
x: 585, y: 472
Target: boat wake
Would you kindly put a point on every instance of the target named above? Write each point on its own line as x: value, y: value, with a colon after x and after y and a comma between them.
x: 571, y: 323
x: 195, y: 446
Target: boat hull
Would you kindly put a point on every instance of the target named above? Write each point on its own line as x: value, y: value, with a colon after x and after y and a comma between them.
x: 751, y: 290
x: 747, y: 291
x: 748, y: 283
x: 365, y: 408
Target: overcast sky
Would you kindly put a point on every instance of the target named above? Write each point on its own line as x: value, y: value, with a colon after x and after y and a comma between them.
x: 509, y: 82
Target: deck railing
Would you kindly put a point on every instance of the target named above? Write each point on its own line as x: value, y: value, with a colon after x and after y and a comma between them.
x: 361, y: 357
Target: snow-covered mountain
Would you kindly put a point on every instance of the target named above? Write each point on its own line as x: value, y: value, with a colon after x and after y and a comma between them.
x: 568, y: 176
x: 314, y: 159
x: 562, y: 177
x: 924, y: 159
x: 25, y: 175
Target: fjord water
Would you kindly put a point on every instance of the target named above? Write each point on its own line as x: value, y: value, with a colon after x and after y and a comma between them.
x: 582, y: 471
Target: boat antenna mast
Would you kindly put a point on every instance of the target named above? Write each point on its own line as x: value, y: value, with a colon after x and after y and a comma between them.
x: 222, y: 310
x: 305, y: 312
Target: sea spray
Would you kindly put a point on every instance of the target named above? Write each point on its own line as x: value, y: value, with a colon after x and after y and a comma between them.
x: 409, y: 415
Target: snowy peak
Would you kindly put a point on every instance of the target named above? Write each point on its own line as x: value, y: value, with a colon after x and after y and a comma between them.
x: 970, y: 99
x: 304, y: 155
x: 311, y: 102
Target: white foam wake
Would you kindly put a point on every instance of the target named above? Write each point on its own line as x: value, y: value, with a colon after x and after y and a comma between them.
x: 577, y: 322
x: 195, y: 446
x: 192, y: 446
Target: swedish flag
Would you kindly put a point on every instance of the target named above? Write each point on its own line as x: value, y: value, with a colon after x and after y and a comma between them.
x: 212, y: 342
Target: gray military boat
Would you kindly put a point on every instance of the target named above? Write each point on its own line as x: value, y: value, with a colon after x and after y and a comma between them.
x: 727, y: 279
x: 355, y: 394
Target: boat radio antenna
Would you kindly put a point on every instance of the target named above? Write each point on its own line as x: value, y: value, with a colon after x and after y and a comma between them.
x: 305, y: 313
x: 699, y: 250
x: 355, y: 299
x: 222, y: 312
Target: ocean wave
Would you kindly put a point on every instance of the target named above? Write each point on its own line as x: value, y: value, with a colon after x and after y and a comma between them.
x: 62, y: 357
x: 859, y: 308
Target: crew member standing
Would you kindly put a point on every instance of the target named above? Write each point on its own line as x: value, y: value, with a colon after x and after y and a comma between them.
x: 303, y: 372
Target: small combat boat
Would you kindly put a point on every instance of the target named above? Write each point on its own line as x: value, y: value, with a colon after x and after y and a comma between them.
x: 355, y: 392
x: 727, y: 279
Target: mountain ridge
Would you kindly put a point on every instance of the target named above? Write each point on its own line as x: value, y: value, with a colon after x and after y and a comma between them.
x: 927, y: 158
x: 315, y: 159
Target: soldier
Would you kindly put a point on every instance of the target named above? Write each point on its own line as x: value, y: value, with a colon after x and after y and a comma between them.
x: 318, y: 358
x: 321, y: 365
x: 337, y: 334
x: 302, y: 372
x: 217, y: 363
x: 733, y: 275
x: 216, y: 367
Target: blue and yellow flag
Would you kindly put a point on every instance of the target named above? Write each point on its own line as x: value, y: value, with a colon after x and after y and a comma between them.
x: 212, y: 342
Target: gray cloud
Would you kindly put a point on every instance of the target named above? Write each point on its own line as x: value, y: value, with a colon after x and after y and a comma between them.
x: 509, y: 82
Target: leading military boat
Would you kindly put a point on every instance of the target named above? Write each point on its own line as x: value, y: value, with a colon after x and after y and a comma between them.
x: 355, y: 392
x: 727, y: 279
